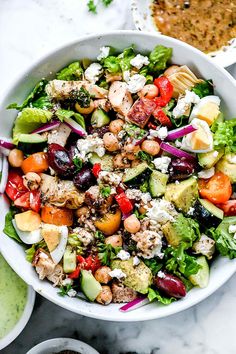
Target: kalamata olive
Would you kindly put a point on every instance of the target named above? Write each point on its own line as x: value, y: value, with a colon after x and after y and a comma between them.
x: 84, y: 179
x: 170, y: 285
x: 59, y: 160
x: 182, y: 166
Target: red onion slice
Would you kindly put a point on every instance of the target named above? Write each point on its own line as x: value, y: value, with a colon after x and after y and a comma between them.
x: 6, y: 144
x: 4, y: 176
x: 135, y: 304
x: 178, y: 133
x: 46, y: 127
x: 176, y: 152
x: 75, y: 127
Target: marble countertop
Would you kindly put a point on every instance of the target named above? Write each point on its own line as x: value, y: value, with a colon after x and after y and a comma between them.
x: 30, y: 29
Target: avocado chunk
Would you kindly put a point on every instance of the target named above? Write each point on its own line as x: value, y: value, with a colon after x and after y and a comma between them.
x: 201, y: 278
x: 99, y: 118
x: 138, y: 278
x: 209, y: 159
x: 226, y: 166
x: 69, y: 260
x: 157, y: 183
x: 183, y: 195
x: 89, y: 285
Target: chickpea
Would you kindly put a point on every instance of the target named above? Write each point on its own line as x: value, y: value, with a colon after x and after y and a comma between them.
x: 31, y: 181
x: 142, y: 209
x: 85, y: 110
x: 149, y: 91
x: 131, y: 150
x: 15, y: 158
x: 83, y: 211
x: 116, y: 126
x: 102, y: 275
x: 151, y: 147
x: 119, y: 162
x: 105, y: 296
x: 114, y: 240
x: 171, y: 70
x: 111, y: 142
x: 132, y: 224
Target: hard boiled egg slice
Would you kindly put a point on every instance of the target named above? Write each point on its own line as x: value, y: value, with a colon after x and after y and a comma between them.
x: 207, y: 109
x: 59, y: 251
x: 200, y: 140
x: 28, y: 237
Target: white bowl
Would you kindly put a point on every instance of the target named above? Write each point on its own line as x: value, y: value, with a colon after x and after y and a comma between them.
x: 143, y: 21
x: 58, y: 344
x: 20, y: 325
x: 221, y: 269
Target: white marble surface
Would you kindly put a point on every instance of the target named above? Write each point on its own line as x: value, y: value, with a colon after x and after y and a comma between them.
x: 28, y: 30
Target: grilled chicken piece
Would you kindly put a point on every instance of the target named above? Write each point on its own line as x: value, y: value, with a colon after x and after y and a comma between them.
x: 120, y: 98
x: 103, y: 104
x: 60, y: 89
x: 46, y: 268
x: 60, y: 193
x: 121, y: 293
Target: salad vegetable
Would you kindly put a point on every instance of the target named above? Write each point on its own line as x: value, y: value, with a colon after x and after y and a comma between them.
x: 121, y: 174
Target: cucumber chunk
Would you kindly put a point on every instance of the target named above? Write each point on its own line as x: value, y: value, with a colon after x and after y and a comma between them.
x: 157, y: 183
x: 201, y: 278
x: 69, y: 260
x: 106, y: 161
x: 89, y: 285
x: 30, y: 143
x: 99, y: 118
x: 137, y: 175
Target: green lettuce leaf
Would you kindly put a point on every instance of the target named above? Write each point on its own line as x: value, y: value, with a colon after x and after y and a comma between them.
x: 63, y: 113
x: 36, y: 98
x: 9, y: 229
x: 73, y: 71
x: 225, y: 241
x: 154, y: 294
x: 225, y: 135
x: 204, y: 88
x: 30, y: 252
x: 159, y: 57
x: 28, y: 120
x: 125, y: 57
x: 112, y: 64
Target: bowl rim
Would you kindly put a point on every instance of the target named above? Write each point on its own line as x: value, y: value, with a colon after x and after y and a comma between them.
x: 64, y: 343
x: 20, y: 325
x: 69, y: 306
x: 227, y: 58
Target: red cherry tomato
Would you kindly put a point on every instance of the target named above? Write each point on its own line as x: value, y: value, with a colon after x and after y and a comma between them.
x: 15, y: 187
x: 229, y: 207
x: 29, y: 200
x: 75, y: 274
x: 217, y: 189
x: 96, y: 169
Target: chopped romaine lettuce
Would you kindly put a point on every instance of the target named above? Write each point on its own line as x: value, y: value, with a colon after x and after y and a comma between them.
x: 225, y: 241
x: 204, y: 88
x: 9, y: 229
x: 159, y: 57
x: 73, y: 71
x: 112, y: 64
x: 125, y: 58
x: 28, y: 120
x: 37, y: 98
x: 64, y: 113
x: 225, y: 135
x: 154, y: 294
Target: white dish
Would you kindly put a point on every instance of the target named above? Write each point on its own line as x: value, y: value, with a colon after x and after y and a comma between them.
x: 18, y: 328
x: 58, y: 344
x: 143, y: 21
x: 222, y: 269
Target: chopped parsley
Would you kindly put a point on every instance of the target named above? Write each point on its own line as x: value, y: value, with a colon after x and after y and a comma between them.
x: 78, y: 163
x: 105, y: 191
x: 83, y: 98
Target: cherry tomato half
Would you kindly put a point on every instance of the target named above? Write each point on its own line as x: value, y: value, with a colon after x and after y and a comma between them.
x: 217, y: 189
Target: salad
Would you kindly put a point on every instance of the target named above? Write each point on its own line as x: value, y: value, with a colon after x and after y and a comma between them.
x: 121, y: 177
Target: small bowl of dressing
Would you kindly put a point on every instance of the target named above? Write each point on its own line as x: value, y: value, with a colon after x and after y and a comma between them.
x: 16, y: 304
x: 205, y: 24
x: 62, y: 346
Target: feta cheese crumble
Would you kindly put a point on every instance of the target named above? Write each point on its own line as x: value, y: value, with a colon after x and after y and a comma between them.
x: 88, y: 145
x: 104, y: 52
x: 215, y: 154
x: 139, y: 61
x: 232, y: 229
x: 162, y: 163
x: 123, y: 255
x: 67, y: 281
x: 161, y: 274
x: 72, y: 293
x: 231, y: 158
x: 117, y: 273
x: 111, y: 178
x: 149, y: 244
x: 184, y: 103
x: 161, y: 211
x: 191, y: 211
x: 160, y: 133
x: 136, y: 83
x: 136, y: 261
x: 205, y: 174
x: 93, y: 72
